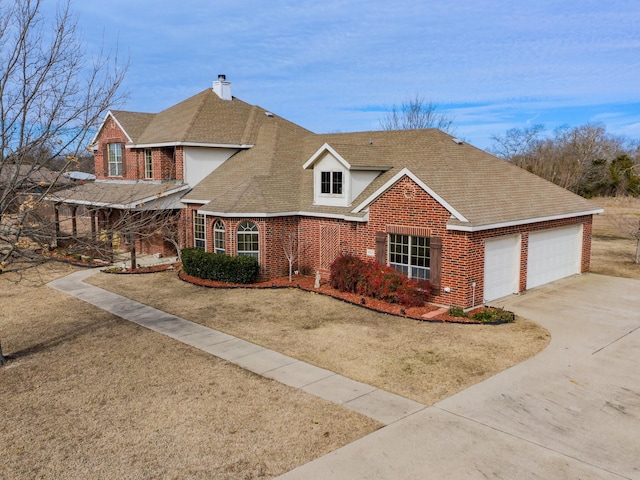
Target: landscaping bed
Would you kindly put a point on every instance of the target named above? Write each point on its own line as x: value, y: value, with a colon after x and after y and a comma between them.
x: 307, y: 283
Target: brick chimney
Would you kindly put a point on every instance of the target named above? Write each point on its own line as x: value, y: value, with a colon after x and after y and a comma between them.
x: 222, y: 88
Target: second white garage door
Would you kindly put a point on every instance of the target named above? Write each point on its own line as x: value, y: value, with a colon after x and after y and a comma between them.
x: 501, y: 266
x: 553, y: 254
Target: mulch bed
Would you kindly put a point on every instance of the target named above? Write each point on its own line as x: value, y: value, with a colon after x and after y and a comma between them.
x: 307, y: 284
x: 142, y: 269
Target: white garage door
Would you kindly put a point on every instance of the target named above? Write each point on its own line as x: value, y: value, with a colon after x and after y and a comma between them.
x: 501, y: 266
x: 553, y: 254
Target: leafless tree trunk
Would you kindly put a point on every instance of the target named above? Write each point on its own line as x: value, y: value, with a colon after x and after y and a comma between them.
x: 290, y: 248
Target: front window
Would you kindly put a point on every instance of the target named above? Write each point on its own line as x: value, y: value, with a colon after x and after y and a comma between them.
x: 218, y: 237
x: 199, y: 238
x: 331, y: 183
x: 410, y: 255
x: 248, y: 239
x: 148, y: 163
x: 115, y: 159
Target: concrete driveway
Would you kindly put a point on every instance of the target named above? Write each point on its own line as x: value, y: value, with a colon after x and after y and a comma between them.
x: 571, y: 412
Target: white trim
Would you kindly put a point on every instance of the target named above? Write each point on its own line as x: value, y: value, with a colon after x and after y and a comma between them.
x: 189, y: 200
x: 119, y: 206
x: 187, y: 144
x: 424, y: 186
x: 335, y: 216
x: 326, y: 148
x: 93, y: 145
x: 479, y: 228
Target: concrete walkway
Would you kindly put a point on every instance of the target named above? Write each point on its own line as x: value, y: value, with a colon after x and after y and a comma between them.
x: 378, y: 404
x: 571, y: 412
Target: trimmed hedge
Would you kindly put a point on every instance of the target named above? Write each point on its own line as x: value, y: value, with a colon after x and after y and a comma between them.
x: 217, y: 266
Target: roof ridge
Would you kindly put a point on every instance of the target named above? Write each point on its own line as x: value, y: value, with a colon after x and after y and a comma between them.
x: 249, y: 126
x: 196, y: 115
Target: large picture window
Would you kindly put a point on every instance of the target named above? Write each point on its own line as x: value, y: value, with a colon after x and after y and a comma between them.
x: 248, y: 240
x: 199, y: 237
x: 410, y: 255
x: 218, y: 237
x: 331, y: 183
x: 115, y: 159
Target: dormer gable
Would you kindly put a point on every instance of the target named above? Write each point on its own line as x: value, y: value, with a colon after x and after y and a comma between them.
x: 340, y: 174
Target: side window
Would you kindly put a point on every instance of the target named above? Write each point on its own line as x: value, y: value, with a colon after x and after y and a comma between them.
x: 148, y: 163
x: 199, y: 237
x: 248, y: 239
x: 114, y: 152
x: 218, y: 237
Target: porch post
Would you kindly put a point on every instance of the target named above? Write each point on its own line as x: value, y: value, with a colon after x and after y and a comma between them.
x: 74, y: 222
x: 93, y: 225
x: 56, y: 215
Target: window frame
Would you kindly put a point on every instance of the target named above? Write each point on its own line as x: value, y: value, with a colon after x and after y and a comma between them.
x: 114, y: 159
x: 249, y: 232
x: 332, y: 182
x: 218, y: 237
x: 411, y: 255
x: 199, y: 231
x: 148, y: 163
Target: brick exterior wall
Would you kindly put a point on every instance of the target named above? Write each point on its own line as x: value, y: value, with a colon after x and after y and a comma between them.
x: 404, y: 208
x: 167, y: 161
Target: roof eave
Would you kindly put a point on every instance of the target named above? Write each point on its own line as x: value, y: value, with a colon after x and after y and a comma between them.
x: 189, y: 144
x: 515, y: 223
x: 336, y: 216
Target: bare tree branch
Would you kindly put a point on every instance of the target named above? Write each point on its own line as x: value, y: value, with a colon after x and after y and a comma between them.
x: 52, y: 98
x: 417, y: 113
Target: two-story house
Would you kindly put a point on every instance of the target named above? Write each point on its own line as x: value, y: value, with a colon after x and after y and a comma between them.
x: 246, y: 181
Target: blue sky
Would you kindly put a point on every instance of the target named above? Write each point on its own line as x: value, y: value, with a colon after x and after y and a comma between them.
x: 338, y: 65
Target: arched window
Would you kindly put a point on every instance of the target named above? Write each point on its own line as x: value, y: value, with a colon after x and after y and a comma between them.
x: 218, y: 237
x: 248, y: 239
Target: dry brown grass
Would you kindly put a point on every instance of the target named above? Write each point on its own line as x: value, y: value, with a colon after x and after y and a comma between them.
x: 612, y: 250
x: 422, y: 361
x: 89, y: 395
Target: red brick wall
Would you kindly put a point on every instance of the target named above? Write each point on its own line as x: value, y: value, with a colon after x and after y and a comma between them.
x: 167, y: 161
x: 111, y: 133
x: 403, y: 208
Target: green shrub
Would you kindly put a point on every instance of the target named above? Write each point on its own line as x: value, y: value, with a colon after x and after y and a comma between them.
x: 219, y: 267
x: 458, y: 312
x: 493, y: 315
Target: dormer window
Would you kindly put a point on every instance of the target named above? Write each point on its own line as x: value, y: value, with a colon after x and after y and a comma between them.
x: 331, y: 183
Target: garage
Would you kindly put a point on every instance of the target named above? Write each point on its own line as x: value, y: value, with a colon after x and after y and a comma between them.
x: 501, y: 266
x: 553, y: 254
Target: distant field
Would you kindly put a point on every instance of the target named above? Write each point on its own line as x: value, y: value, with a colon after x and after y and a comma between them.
x: 613, y: 250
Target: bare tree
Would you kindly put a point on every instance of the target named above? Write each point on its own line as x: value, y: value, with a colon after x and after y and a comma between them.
x: 582, y: 159
x: 289, y: 244
x: 417, y: 113
x: 517, y: 143
x: 52, y: 97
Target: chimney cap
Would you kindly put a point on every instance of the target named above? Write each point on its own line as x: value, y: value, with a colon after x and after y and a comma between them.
x: 222, y: 77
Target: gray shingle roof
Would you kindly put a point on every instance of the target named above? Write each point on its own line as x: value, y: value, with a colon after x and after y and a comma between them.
x: 269, y: 179
x: 118, y: 194
x: 485, y: 190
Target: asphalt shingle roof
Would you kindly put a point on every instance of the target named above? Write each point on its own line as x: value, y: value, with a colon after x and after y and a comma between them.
x: 269, y: 177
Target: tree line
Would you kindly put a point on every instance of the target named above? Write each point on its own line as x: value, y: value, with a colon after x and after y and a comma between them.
x: 586, y: 160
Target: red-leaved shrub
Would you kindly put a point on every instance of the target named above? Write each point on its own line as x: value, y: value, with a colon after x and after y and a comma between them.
x: 367, y: 278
